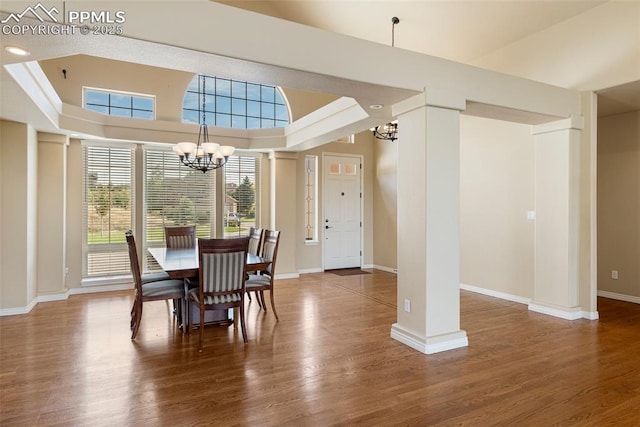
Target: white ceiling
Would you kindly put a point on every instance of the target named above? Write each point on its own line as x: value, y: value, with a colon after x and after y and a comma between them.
x: 458, y: 30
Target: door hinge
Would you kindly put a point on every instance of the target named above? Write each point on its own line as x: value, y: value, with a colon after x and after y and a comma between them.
x: 361, y: 195
x: 360, y: 253
x: 360, y: 223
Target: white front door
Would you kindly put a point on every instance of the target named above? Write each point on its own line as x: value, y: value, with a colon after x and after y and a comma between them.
x: 342, y: 217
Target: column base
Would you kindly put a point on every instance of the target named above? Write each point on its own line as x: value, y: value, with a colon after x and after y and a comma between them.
x: 429, y: 345
x: 568, y: 313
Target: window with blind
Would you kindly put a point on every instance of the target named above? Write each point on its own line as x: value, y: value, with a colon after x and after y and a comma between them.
x: 107, y: 209
x: 241, y: 179
x: 175, y: 195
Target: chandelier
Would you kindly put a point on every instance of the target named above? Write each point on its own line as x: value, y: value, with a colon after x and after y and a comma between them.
x: 204, y: 155
x: 387, y: 131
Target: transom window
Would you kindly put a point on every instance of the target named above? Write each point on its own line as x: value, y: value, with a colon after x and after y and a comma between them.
x: 234, y: 104
x: 122, y: 104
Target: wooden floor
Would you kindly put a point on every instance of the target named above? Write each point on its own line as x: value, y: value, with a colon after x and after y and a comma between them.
x: 328, y: 361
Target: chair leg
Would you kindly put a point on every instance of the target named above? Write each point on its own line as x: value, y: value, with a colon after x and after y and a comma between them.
x: 242, y: 325
x: 135, y: 325
x: 273, y: 305
x: 185, y: 316
x: 262, y: 302
x: 201, y: 328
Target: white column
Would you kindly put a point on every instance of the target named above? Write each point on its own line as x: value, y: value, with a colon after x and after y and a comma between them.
x: 283, y: 208
x: 557, y: 198
x: 429, y: 222
x: 52, y: 203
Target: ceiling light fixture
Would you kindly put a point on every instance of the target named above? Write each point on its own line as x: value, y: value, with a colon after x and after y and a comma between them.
x: 204, y: 155
x: 16, y: 50
x: 387, y: 131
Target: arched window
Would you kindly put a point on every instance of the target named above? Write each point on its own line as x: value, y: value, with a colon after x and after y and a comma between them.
x: 234, y: 104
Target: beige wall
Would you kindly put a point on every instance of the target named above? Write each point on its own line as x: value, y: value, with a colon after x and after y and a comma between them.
x: 496, y: 191
x: 385, y: 204
x: 18, y: 195
x: 619, y: 203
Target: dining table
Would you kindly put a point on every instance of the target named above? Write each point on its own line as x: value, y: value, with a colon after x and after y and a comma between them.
x: 184, y: 263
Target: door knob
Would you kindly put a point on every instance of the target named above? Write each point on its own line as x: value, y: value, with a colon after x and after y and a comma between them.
x: 326, y: 227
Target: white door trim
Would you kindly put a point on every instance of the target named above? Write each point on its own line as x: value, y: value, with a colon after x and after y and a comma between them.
x: 321, y: 236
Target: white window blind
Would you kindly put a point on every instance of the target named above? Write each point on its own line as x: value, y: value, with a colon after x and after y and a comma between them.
x: 175, y: 195
x: 241, y: 184
x: 107, y: 209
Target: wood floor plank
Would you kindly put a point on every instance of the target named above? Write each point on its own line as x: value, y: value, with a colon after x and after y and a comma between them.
x: 328, y: 361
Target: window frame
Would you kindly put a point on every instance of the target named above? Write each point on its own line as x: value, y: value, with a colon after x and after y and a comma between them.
x: 215, y: 116
x: 310, y: 199
x: 109, y: 106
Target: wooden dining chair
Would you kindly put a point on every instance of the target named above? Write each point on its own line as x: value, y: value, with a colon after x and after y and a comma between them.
x: 255, y: 245
x: 181, y: 237
x: 167, y: 289
x: 255, y: 240
x: 221, y: 283
x: 263, y: 281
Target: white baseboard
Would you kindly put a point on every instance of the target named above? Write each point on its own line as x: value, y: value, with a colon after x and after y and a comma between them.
x: 60, y: 296
x: 561, y: 312
x: 384, y: 268
x: 429, y: 345
x: 619, y: 297
x: 310, y: 271
x: 495, y: 294
x: 19, y: 310
x: 287, y: 276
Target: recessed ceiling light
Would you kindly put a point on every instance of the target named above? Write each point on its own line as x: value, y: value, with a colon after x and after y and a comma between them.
x: 16, y: 50
x: 376, y: 106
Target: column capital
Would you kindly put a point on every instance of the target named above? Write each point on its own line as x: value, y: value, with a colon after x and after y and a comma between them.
x: 431, y: 97
x: 283, y: 155
x: 573, y: 122
x: 53, y: 138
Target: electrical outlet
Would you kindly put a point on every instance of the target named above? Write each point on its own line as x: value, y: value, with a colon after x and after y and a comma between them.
x: 407, y: 306
x: 614, y: 274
